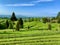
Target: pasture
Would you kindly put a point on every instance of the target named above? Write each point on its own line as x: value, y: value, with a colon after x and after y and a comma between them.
x: 38, y: 34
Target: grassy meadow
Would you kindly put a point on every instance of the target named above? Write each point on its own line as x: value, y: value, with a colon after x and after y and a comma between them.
x: 37, y: 34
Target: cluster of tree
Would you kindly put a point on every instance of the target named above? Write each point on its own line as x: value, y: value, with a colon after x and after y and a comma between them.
x: 19, y: 24
x: 30, y: 19
x: 10, y: 24
x: 46, y: 19
x: 52, y: 19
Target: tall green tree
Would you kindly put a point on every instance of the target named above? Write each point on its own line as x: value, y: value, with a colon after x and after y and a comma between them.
x: 58, y: 20
x: 13, y: 17
x: 58, y: 15
x: 21, y: 22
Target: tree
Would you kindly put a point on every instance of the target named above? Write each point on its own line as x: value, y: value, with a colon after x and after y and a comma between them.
x: 17, y: 26
x: 58, y: 20
x: 7, y: 24
x: 45, y: 19
x: 21, y: 22
x: 49, y: 26
x: 58, y: 15
x: 13, y: 17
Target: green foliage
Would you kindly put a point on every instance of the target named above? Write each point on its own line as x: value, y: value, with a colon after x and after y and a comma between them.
x: 45, y: 20
x: 13, y: 17
x: 20, y: 22
x: 58, y: 20
x: 58, y: 15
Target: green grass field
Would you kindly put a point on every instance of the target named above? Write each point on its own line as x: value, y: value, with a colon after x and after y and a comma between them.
x: 38, y: 34
x: 31, y: 37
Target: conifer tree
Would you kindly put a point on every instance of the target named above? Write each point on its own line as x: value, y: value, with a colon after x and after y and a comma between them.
x: 58, y: 20
x: 21, y: 22
x: 13, y: 17
x: 58, y: 15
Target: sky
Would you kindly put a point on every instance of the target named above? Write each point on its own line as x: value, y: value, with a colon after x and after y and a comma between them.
x: 30, y: 7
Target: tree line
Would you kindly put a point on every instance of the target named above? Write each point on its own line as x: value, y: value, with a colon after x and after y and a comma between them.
x: 10, y: 23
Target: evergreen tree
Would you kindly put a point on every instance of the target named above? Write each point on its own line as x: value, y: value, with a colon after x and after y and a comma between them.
x: 13, y: 17
x: 21, y: 22
x: 58, y: 15
x: 7, y: 24
x: 58, y: 20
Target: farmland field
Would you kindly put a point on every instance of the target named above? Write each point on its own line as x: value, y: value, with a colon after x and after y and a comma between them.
x: 29, y: 22
x: 38, y: 34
